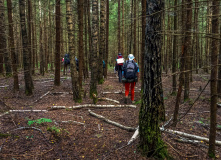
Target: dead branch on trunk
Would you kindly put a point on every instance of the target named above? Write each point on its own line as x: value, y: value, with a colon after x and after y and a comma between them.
x: 111, y: 122
x: 92, y: 106
x: 108, y: 99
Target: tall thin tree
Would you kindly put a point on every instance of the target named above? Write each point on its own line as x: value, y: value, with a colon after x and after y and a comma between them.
x: 118, y: 29
x: 107, y: 37
x: 26, y: 50
x: 214, y: 73
x: 93, y: 82
x: 12, y: 46
x: 57, y: 45
x: 74, y: 73
x: 4, y: 54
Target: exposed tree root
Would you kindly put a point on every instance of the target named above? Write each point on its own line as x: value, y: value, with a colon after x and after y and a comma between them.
x: 112, y: 122
x: 92, y: 106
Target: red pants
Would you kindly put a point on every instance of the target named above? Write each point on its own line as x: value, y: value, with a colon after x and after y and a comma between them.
x: 127, y: 87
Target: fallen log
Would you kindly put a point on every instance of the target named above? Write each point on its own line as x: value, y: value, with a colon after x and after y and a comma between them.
x: 181, y: 134
x: 42, y: 96
x: 135, y: 135
x: 4, y: 86
x: 70, y: 122
x: 111, y: 122
x: 92, y: 106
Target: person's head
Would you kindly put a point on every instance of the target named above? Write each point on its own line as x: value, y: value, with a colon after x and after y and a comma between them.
x: 119, y: 53
x: 131, y: 57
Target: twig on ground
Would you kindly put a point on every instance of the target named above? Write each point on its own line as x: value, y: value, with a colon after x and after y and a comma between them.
x: 4, y: 86
x: 180, y: 153
x: 108, y: 99
x: 42, y: 97
x: 111, y: 122
x: 28, y: 110
x: 135, y: 135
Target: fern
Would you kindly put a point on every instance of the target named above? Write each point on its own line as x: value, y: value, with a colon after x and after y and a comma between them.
x: 39, y: 121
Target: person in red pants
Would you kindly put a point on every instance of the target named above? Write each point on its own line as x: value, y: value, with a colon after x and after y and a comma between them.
x: 130, y: 76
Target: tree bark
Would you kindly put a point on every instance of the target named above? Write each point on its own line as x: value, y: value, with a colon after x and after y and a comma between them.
x: 214, y: 74
x: 80, y: 41
x: 151, y: 143
x: 143, y: 41
x: 26, y: 50
x: 118, y: 29
x: 107, y: 38
x: 102, y: 42
x: 135, y: 29
x: 74, y: 73
x: 93, y: 82
x: 3, y: 43
x: 57, y: 45
x: 12, y: 46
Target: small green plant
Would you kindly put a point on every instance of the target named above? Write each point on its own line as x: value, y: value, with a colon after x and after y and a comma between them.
x: 39, y: 121
x: 138, y: 102
x: 54, y: 129
x: 165, y: 98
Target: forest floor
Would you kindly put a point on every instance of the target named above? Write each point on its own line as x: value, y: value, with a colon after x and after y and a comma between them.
x: 85, y: 136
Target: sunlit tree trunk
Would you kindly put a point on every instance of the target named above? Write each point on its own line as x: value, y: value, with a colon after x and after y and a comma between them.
x: 12, y: 46
x: 57, y: 45
x: 26, y: 50
x: 151, y: 143
x: 93, y: 82
x: 214, y: 73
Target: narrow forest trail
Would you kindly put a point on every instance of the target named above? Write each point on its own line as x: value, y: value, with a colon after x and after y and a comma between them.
x: 76, y: 134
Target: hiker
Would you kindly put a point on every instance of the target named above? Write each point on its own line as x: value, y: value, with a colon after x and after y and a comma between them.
x: 130, y: 76
x: 119, y: 65
x: 66, y: 63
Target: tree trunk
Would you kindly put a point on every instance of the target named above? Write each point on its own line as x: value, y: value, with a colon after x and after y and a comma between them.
x: 118, y: 29
x: 3, y: 43
x: 93, y: 83
x: 151, y: 143
x: 135, y: 28
x: 57, y: 45
x: 89, y: 31
x: 219, y: 67
x: 102, y: 42
x: 26, y: 50
x: 107, y: 38
x: 143, y: 41
x: 74, y: 73
x: 214, y: 73
x: 86, y: 73
x: 187, y: 48
x: 80, y: 41
x: 12, y: 46
x: 174, y: 65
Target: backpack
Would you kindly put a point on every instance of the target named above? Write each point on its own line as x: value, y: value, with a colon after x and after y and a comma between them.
x: 66, y: 59
x: 119, y: 57
x: 130, y: 70
x: 103, y: 64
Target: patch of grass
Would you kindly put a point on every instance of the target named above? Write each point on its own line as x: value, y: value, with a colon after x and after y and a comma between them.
x: 139, y: 101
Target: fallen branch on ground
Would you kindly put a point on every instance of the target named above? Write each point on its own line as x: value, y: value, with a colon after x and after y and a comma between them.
x: 182, y: 134
x: 108, y: 99
x: 118, y: 92
x: 71, y: 122
x: 92, y: 106
x: 4, y: 86
x: 135, y: 135
x: 111, y: 122
x: 42, y: 96
x: 28, y: 111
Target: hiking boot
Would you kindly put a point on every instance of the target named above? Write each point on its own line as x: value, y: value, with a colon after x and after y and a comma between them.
x: 125, y: 100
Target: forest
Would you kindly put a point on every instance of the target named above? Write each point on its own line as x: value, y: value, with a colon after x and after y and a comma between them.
x: 110, y: 79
